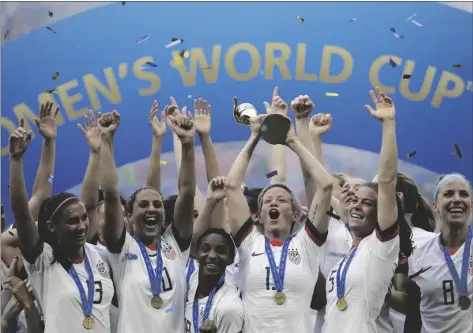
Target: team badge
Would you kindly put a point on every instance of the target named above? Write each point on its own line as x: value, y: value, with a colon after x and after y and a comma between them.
x: 101, y: 268
x: 168, y: 251
x: 294, y: 256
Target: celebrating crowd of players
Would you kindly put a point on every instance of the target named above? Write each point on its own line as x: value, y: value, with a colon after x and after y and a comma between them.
x: 363, y: 256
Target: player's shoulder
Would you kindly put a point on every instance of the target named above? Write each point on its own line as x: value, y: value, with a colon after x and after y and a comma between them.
x: 230, y: 300
x: 421, y: 236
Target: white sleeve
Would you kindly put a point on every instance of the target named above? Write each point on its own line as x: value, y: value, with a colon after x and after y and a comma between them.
x: 37, y: 271
x: 387, y: 249
x: 312, y: 246
x: 229, y: 315
x: 118, y: 261
x: 244, y: 239
x: 169, y: 244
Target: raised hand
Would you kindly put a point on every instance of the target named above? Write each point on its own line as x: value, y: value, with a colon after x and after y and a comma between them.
x: 92, y: 131
x: 383, y: 104
x: 216, y: 189
x: 108, y: 123
x: 158, y: 126
x: 278, y: 106
x: 173, y: 109
x: 291, y: 133
x: 202, y: 116
x: 302, y: 106
x: 20, y: 140
x: 320, y: 124
x: 19, y: 290
x: 182, y: 126
x: 46, y: 123
x: 255, y: 123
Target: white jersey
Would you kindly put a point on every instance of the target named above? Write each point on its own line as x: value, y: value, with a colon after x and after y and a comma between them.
x: 59, y: 298
x: 133, y: 287
x: 339, y: 241
x: 366, y: 285
x: 397, y: 319
x: 262, y: 314
x: 226, y: 311
x: 439, y: 306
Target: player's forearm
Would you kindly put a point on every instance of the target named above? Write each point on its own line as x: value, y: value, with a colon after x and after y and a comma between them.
x: 398, y: 300
x: 33, y: 319
x: 154, y: 169
x: 237, y: 172
x: 211, y: 164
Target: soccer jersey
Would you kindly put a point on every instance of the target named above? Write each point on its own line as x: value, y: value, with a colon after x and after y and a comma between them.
x: 226, y: 311
x: 134, y: 288
x: 439, y: 306
x: 397, y: 319
x: 58, y: 295
x: 262, y: 314
x: 366, y: 285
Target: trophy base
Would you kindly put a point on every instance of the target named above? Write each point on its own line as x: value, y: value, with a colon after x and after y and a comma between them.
x: 274, y: 129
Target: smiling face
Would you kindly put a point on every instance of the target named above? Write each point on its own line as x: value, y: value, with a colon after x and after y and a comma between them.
x: 213, y: 254
x: 453, y: 202
x: 277, y: 213
x: 71, y: 225
x: 148, y: 215
x: 362, y: 212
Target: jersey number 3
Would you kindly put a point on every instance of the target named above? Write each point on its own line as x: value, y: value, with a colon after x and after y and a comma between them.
x: 98, y: 292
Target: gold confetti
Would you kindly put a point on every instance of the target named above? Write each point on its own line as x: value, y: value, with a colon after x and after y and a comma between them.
x: 301, y: 19
x: 184, y: 54
x: 329, y: 94
x: 55, y: 76
x: 164, y: 162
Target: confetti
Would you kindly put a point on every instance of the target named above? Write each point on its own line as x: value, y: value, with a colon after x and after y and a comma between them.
x: 301, y: 19
x: 50, y: 91
x: 457, y: 65
x: 393, y: 63
x: 395, y: 34
x: 174, y: 42
x: 411, y: 17
x: 51, y: 29
x: 189, y: 96
x: 6, y: 34
x: 458, y: 151
x: 11, y: 232
x: 177, y: 61
x: 50, y: 14
x: 271, y: 174
x: 329, y: 94
x: 406, y: 76
x: 164, y: 162
x: 174, y: 308
x: 207, y: 68
x: 412, y: 154
x: 184, y: 54
x: 55, y: 76
x: 131, y: 256
x: 142, y: 39
x: 152, y: 64
x: 417, y: 23
x: 353, y: 19
x: 51, y: 179
x: 331, y: 213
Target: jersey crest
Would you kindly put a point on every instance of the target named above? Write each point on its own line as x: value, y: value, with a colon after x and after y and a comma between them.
x: 294, y: 256
x: 470, y: 265
x: 101, y: 268
x: 168, y: 251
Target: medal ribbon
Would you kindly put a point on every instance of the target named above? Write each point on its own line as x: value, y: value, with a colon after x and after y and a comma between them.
x: 208, y: 306
x: 154, y: 278
x: 278, y: 276
x: 461, y: 284
x: 341, y: 280
x: 190, y: 270
x: 87, y: 302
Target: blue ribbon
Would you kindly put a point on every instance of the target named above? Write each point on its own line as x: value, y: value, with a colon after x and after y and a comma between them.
x: 87, y: 302
x: 190, y: 270
x: 461, y: 284
x: 278, y: 276
x: 154, y: 278
x: 341, y: 280
x: 208, y: 306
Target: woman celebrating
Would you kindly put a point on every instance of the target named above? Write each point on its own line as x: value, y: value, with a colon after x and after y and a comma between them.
x: 442, y: 269
x: 357, y: 285
x: 278, y: 269
x: 68, y: 276
x: 149, y: 268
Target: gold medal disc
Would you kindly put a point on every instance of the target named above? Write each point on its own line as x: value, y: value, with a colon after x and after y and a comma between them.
x: 465, y: 302
x: 88, y: 323
x: 342, y: 304
x: 280, y: 298
x: 156, y: 302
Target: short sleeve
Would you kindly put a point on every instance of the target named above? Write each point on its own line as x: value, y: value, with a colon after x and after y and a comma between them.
x: 229, y: 316
x: 245, y: 237
x: 43, y: 261
x: 118, y: 260
x: 313, y: 244
x: 385, y: 249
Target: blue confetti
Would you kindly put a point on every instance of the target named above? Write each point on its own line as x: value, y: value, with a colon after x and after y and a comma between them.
x: 271, y: 174
x: 152, y: 64
x: 131, y: 256
x: 393, y: 64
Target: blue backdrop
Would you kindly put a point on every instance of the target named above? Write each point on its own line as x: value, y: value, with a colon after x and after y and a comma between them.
x: 251, y: 47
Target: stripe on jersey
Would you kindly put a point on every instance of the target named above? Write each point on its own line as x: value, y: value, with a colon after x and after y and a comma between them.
x: 317, y: 237
x: 244, y: 231
x: 389, y: 233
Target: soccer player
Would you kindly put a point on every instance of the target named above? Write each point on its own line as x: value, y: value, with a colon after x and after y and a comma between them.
x: 357, y: 285
x: 278, y: 270
x: 149, y: 268
x: 442, y: 269
x: 210, y: 300
x: 68, y: 276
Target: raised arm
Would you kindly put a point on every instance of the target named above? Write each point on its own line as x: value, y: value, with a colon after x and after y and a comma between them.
x: 43, y: 184
x: 91, y: 183
x: 159, y: 129
x: 215, y: 196
x: 238, y: 209
x: 322, y: 181
x: 114, y: 222
x: 388, y: 158
x: 184, y: 128
x: 27, y: 232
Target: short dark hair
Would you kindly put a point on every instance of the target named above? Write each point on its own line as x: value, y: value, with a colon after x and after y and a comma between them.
x: 252, y: 195
x: 228, y: 240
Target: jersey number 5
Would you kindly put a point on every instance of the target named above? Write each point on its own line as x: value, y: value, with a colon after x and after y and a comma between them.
x: 331, y: 279
x: 448, y: 289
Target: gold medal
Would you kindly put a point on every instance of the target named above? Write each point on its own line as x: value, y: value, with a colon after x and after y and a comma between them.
x: 342, y: 304
x: 465, y: 302
x: 88, y: 323
x: 156, y: 302
x: 280, y: 298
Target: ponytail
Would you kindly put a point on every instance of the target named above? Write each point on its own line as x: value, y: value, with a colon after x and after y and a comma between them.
x: 423, y: 216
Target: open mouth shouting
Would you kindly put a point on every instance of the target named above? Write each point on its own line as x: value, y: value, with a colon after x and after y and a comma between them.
x: 273, y: 214
x: 151, y: 221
